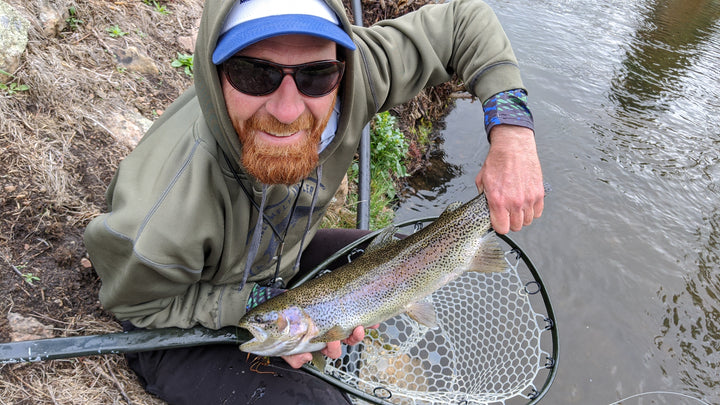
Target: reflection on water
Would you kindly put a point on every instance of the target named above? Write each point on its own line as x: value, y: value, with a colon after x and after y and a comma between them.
x: 626, y: 97
x: 662, y: 49
x: 690, y: 331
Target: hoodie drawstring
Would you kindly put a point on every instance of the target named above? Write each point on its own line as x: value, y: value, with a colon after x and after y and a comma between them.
x: 257, y: 236
x: 318, y: 172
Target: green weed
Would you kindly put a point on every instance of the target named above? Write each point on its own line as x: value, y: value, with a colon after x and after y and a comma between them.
x: 184, y: 61
x: 160, y: 8
x: 115, y: 31
x: 30, y: 278
x: 72, y: 21
x: 12, y: 87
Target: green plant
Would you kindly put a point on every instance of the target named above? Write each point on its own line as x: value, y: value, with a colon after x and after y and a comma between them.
x: 160, y: 8
x: 422, y: 132
x: 115, y: 31
x: 12, y: 87
x: 72, y: 21
x: 184, y: 61
x: 30, y: 278
x: 388, y: 150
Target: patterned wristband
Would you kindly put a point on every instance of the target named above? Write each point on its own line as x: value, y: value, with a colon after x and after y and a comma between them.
x: 260, y: 294
x: 507, y: 107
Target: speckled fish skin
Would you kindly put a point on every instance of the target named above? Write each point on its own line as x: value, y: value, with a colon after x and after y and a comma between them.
x: 385, y: 281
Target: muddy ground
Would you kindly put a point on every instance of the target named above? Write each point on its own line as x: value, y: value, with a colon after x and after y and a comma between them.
x: 58, y: 152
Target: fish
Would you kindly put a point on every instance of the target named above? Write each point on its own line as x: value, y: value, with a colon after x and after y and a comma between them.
x: 393, y: 276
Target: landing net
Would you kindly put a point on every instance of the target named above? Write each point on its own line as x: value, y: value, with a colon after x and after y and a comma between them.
x: 496, y: 343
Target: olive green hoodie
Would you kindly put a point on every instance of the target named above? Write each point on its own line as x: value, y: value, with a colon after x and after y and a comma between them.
x: 172, y: 249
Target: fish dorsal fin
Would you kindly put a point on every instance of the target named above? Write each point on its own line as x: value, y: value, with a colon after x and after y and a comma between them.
x: 423, y: 313
x: 451, y: 207
x: 335, y: 333
x: 489, y: 258
x: 385, y: 237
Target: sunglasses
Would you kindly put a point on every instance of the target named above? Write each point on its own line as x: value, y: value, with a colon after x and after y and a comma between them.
x: 257, y: 77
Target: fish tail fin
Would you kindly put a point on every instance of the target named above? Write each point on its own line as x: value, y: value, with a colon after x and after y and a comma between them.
x: 489, y: 258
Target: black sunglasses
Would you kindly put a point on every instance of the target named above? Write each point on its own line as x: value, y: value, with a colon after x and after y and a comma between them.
x: 258, y: 77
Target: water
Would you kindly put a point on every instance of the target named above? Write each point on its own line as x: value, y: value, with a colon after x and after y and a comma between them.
x: 626, y: 98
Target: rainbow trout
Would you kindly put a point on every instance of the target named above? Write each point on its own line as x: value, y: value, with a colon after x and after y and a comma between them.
x: 391, y: 277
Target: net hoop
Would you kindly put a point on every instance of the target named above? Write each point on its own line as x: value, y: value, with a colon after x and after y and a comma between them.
x: 508, y: 357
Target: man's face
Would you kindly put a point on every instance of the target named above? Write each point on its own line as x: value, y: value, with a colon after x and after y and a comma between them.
x: 280, y: 132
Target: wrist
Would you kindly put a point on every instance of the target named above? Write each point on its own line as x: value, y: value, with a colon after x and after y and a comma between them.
x: 507, y: 108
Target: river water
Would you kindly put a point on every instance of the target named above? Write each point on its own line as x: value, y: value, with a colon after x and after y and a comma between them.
x: 626, y: 99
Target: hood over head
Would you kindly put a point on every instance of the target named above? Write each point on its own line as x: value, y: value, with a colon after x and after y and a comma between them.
x: 229, y: 26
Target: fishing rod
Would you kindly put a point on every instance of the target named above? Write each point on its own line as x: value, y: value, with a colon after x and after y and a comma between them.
x: 396, y: 343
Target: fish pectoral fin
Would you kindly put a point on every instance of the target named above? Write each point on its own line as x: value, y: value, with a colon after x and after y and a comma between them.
x: 384, y: 238
x: 490, y: 258
x: 423, y: 313
x: 319, y: 361
x: 335, y: 333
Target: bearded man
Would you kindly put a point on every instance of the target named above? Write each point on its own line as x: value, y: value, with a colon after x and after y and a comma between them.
x: 222, y: 199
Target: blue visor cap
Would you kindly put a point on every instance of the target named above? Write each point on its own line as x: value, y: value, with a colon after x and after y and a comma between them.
x: 247, y: 33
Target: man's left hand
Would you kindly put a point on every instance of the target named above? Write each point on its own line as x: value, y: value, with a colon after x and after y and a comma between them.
x: 511, y: 178
x: 333, y: 349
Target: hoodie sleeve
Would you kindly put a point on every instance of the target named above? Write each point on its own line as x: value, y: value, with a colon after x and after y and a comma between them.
x: 426, y: 47
x: 160, y: 251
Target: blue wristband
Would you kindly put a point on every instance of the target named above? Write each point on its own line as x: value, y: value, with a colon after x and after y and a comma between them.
x: 260, y: 294
x: 507, y: 107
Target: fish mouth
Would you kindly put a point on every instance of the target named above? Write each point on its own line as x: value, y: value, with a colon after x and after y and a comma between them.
x: 258, y: 333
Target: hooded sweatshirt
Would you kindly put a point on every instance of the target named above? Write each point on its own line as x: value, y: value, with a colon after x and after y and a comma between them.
x: 173, y: 247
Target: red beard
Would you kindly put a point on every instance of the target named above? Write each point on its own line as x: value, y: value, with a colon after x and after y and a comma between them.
x: 281, y: 164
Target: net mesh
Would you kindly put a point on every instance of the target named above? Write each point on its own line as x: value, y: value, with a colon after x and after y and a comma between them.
x: 487, y: 348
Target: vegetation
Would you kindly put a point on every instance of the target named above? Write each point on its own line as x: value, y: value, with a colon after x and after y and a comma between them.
x: 389, y: 149
x: 12, y: 87
x: 72, y: 21
x: 115, y: 31
x: 184, y: 61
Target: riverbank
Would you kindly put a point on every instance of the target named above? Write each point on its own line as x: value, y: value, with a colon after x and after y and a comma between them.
x: 81, y: 98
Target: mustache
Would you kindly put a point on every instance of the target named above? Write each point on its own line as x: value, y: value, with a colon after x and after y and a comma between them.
x: 271, y: 125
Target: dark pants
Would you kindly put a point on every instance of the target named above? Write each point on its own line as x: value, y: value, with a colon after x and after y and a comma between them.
x: 222, y: 374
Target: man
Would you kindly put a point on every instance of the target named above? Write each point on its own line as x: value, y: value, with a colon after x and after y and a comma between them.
x: 222, y: 198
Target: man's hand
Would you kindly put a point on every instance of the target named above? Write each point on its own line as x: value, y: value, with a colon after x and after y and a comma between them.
x: 511, y: 178
x: 332, y: 350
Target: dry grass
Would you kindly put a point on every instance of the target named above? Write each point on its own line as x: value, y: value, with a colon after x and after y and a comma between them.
x: 88, y: 380
x: 57, y: 156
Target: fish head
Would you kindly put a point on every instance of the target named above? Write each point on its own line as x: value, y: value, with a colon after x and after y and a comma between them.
x: 278, y: 332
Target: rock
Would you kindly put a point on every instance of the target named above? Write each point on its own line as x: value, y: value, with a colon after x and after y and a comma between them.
x: 132, y: 60
x: 127, y: 126
x: 13, y: 39
x: 52, y: 20
x: 26, y: 328
x: 187, y: 44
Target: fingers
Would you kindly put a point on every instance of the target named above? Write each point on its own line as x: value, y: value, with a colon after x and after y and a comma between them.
x: 297, y: 360
x: 507, y: 215
x: 332, y: 350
